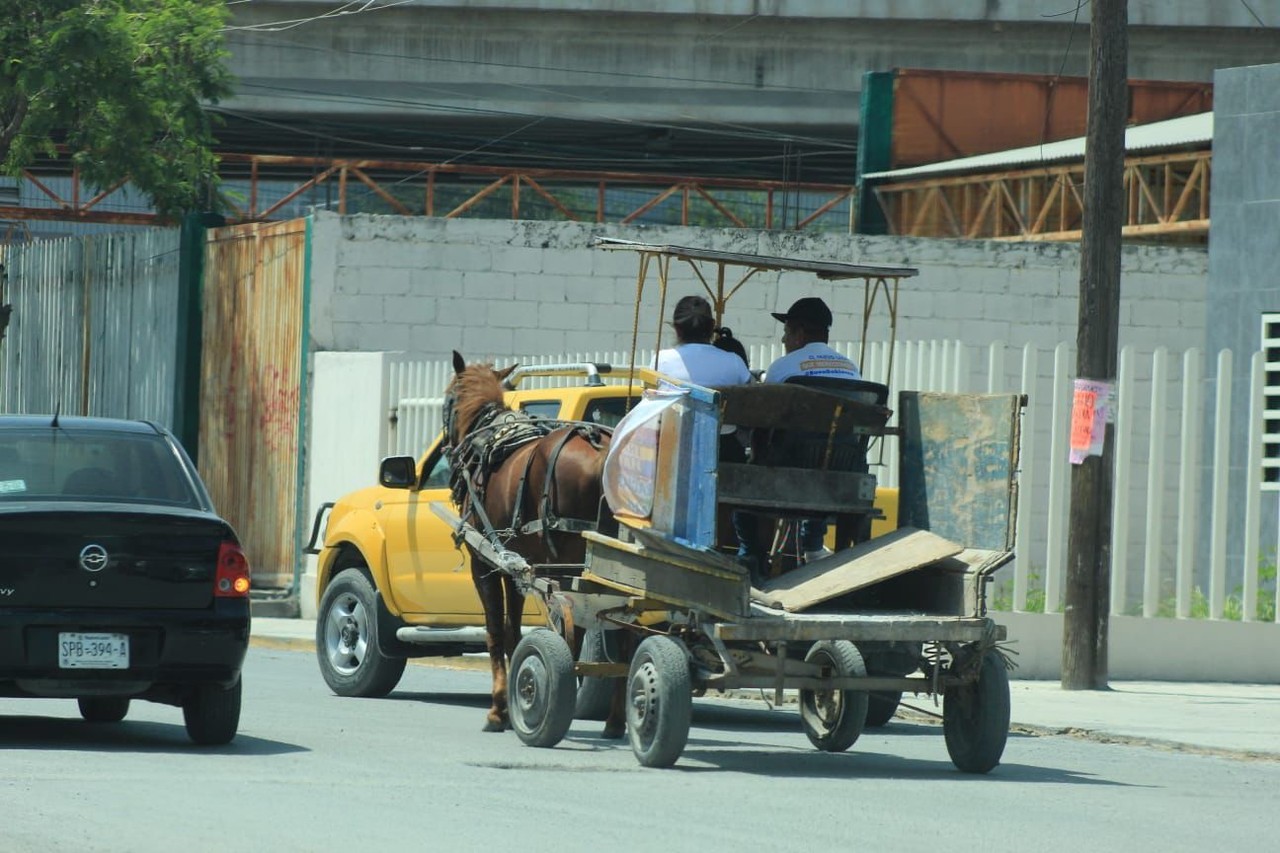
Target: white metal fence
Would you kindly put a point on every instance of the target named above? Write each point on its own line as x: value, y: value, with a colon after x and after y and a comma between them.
x: 1171, y: 464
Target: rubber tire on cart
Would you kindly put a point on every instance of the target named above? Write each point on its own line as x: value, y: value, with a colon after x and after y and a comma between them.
x: 347, y: 648
x: 833, y: 719
x: 541, y: 688
x: 103, y: 709
x: 594, y: 694
x: 659, y: 701
x: 881, y: 706
x: 212, y: 714
x: 975, y: 717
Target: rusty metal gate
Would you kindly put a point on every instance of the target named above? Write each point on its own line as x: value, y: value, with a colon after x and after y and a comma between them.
x: 252, y: 389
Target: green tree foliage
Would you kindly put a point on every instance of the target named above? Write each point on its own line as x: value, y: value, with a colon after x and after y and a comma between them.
x: 120, y: 86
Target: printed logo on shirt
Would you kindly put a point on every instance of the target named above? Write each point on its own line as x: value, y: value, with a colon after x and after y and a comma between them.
x: 819, y: 366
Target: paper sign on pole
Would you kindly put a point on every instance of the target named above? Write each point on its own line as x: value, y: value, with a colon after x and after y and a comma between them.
x: 1090, y: 414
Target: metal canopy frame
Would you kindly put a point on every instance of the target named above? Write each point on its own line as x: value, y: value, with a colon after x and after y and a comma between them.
x: 877, y: 279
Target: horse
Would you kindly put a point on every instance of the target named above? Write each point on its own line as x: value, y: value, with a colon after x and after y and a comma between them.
x: 528, y: 477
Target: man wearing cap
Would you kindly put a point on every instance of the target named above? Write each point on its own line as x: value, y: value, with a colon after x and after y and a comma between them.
x: 804, y: 335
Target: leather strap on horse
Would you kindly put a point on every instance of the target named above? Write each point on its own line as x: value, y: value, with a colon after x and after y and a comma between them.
x: 491, y: 442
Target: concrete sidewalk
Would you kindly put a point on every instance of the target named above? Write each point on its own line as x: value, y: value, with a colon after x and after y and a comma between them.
x: 1238, y: 719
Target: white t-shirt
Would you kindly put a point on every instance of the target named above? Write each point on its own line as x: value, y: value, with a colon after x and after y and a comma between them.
x: 703, y: 364
x: 814, y: 359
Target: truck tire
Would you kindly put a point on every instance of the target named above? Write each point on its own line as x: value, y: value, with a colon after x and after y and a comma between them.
x: 347, y: 649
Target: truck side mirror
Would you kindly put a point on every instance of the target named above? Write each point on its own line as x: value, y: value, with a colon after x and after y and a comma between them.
x: 398, y: 472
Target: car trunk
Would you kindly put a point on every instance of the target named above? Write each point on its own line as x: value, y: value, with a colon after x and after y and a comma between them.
x: 164, y: 560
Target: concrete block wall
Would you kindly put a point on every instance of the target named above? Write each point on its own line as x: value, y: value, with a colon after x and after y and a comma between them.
x: 493, y: 288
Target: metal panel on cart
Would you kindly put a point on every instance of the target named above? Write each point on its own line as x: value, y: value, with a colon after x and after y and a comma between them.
x: 958, y: 464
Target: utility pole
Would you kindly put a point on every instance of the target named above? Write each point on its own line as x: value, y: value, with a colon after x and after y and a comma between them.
x: 1088, y: 587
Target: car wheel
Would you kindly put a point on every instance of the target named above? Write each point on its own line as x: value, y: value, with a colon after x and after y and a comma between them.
x: 351, y: 660
x: 104, y: 709
x: 212, y: 714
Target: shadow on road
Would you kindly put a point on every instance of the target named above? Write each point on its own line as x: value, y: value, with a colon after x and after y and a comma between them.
x: 140, y: 736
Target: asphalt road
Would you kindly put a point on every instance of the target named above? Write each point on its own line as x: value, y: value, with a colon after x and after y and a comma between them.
x: 314, y: 772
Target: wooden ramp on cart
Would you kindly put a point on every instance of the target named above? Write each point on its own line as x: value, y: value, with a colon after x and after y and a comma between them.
x: 847, y: 571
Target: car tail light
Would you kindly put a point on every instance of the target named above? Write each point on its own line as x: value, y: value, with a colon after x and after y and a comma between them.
x: 232, y: 579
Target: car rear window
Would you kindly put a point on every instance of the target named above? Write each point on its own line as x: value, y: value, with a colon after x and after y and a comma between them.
x: 77, y: 465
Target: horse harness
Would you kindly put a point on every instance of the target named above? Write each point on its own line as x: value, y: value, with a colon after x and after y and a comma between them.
x: 494, y: 437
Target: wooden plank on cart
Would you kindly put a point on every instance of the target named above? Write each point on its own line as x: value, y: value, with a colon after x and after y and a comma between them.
x: 664, y: 570
x: 959, y: 464
x: 865, y: 564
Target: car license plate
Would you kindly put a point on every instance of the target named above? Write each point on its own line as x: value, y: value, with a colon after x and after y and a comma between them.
x: 93, y: 651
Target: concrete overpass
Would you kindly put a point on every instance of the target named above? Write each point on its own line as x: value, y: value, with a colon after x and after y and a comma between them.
x: 759, y: 88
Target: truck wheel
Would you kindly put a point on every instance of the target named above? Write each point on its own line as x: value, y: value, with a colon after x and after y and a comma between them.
x: 975, y: 717
x: 104, y: 709
x: 833, y: 719
x: 594, y: 694
x: 212, y: 714
x: 347, y: 639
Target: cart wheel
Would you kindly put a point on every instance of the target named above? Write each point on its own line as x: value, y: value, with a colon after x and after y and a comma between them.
x: 881, y: 706
x: 541, y: 689
x: 975, y: 717
x: 833, y: 719
x: 659, y: 701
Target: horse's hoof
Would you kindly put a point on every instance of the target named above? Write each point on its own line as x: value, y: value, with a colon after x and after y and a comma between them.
x: 614, y: 732
x: 494, y: 726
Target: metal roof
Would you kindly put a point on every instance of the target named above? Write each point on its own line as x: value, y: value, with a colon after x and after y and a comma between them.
x: 1171, y: 133
x: 823, y: 269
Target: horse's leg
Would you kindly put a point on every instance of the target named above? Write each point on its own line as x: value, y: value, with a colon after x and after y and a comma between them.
x: 615, y: 725
x: 489, y: 586
x: 511, y: 625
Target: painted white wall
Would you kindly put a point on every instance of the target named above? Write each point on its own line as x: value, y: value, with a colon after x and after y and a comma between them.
x: 347, y: 429
x: 1153, y: 649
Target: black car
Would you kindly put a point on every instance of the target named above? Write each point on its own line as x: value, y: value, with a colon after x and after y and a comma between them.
x: 118, y: 580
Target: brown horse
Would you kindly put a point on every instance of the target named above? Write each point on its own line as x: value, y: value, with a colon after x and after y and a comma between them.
x: 526, y: 478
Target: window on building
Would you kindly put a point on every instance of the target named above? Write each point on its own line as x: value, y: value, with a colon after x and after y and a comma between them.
x: 1271, y: 403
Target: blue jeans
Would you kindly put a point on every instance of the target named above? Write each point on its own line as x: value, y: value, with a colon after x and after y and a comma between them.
x: 746, y: 526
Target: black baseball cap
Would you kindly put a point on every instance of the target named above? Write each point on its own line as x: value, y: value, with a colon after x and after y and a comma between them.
x: 809, y: 311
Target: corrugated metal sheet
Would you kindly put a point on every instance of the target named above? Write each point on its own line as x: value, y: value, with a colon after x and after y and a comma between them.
x: 944, y: 115
x: 1160, y: 135
x: 94, y: 326
x: 251, y: 389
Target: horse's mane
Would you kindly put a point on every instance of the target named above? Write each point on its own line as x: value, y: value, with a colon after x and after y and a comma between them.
x: 474, y: 388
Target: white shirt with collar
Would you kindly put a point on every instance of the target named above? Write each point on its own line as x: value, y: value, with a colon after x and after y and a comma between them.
x: 812, y: 359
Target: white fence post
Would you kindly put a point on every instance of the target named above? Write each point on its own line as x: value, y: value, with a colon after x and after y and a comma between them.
x: 1123, y: 434
x: 1155, y: 486
x: 1026, y: 478
x: 1059, y: 477
x: 1221, y: 479
x: 1253, y: 489
x: 995, y: 368
x: 1189, y: 478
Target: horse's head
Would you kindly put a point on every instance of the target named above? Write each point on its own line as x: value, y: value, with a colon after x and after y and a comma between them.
x: 473, y: 387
